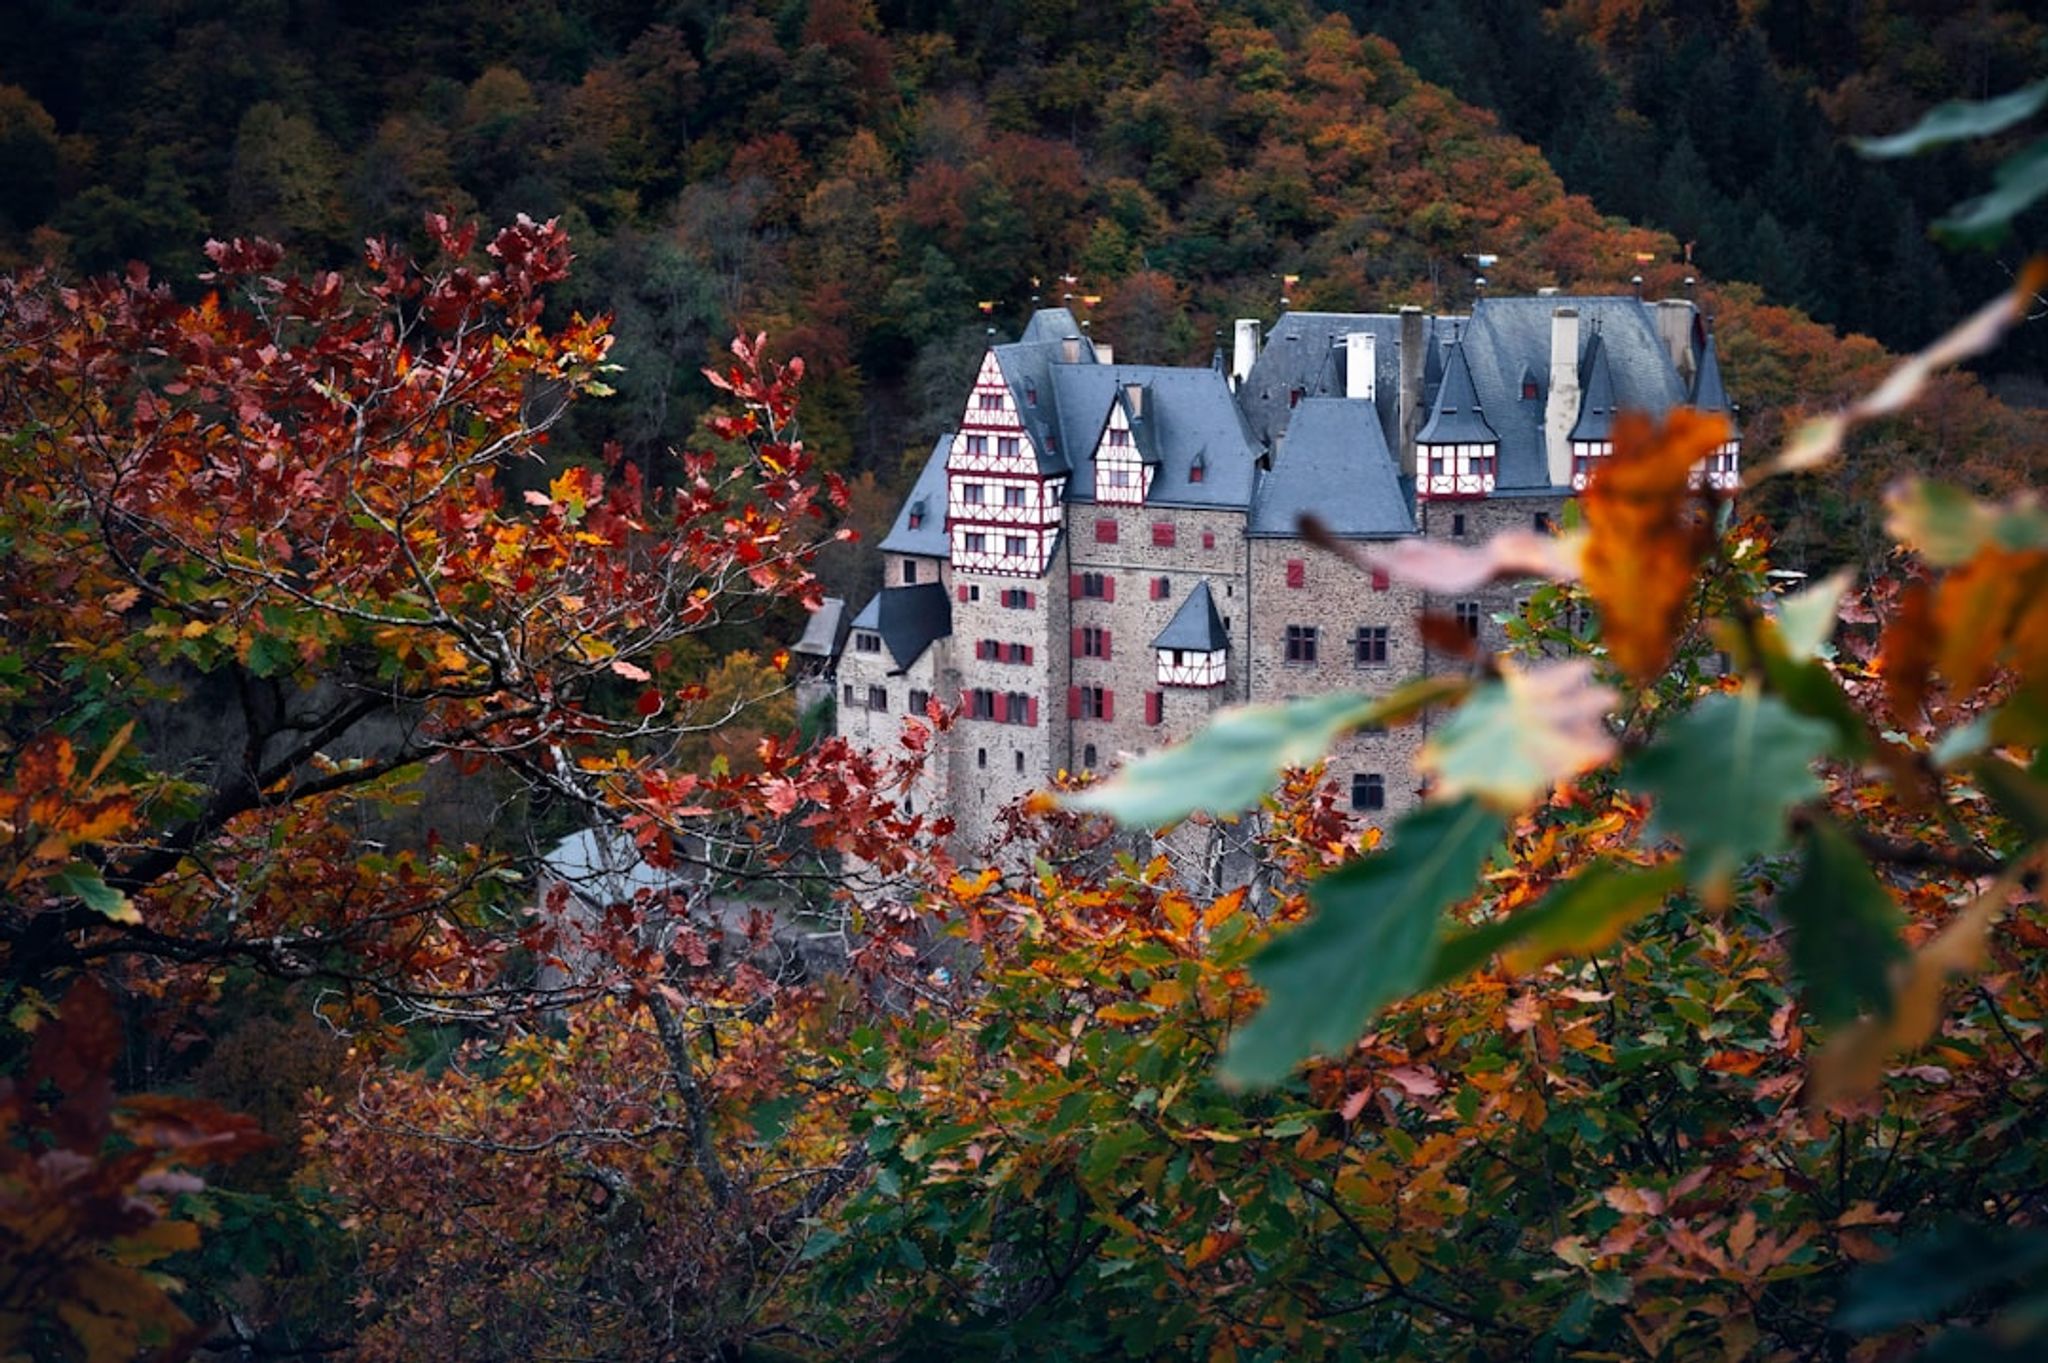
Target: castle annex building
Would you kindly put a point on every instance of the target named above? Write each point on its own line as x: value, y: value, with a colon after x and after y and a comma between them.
x: 1103, y: 554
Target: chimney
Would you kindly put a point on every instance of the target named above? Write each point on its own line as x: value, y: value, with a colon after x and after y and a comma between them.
x: 1547, y: 291
x: 1674, y: 328
x: 1103, y: 354
x: 1561, y: 404
x: 1361, y: 364
x: 1134, y: 398
x: 1070, y: 349
x: 1409, y: 403
x: 1246, y: 352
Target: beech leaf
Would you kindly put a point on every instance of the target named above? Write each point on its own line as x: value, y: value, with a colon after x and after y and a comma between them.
x: 1514, y: 738
x: 1724, y: 774
x: 1845, y: 927
x: 1371, y: 940
x: 1238, y: 758
x: 1577, y: 917
x: 1853, y: 1061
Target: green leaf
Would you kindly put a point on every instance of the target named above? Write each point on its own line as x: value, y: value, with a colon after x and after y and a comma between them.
x: 1582, y: 914
x: 1514, y: 738
x: 1812, y: 690
x: 1724, y: 774
x: 1371, y: 940
x: 1933, y: 1275
x: 1807, y: 620
x: 2018, y: 796
x: 1957, y: 120
x: 81, y: 880
x: 1238, y: 758
x: 1982, y: 221
x: 1845, y: 928
x: 1948, y: 527
x: 270, y: 656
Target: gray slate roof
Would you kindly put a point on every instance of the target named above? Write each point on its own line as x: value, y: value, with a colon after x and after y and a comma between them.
x: 823, y: 631
x: 1455, y: 417
x: 1596, y: 394
x: 1333, y: 462
x: 1196, y: 626
x: 1709, y: 393
x: 909, y: 619
x: 1189, y: 415
x: 1506, y: 335
x: 604, y: 867
x: 928, y: 498
x: 1303, y: 351
x: 1029, y: 365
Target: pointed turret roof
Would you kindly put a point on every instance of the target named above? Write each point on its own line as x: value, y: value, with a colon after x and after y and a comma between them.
x: 1195, y: 627
x: 1709, y: 393
x: 1455, y: 418
x: 909, y: 619
x: 1596, y: 407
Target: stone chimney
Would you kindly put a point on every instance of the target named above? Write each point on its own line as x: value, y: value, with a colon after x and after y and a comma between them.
x: 1104, y: 354
x: 1070, y: 349
x: 1361, y: 365
x: 1674, y: 329
x: 1561, y: 405
x: 1411, y: 409
x: 1134, y: 398
x: 1245, y: 353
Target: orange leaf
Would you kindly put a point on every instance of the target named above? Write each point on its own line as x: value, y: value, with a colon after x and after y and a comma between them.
x: 1975, y: 608
x: 1643, y: 539
x: 1906, y: 655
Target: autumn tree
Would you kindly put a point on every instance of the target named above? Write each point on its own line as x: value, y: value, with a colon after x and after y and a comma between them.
x: 271, y: 575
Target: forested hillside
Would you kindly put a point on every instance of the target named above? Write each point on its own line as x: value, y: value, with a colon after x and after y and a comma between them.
x: 856, y: 177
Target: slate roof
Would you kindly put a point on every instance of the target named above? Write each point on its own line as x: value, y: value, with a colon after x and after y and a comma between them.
x: 1029, y: 365
x: 1507, y: 335
x: 823, y: 631
x: 604, y: 867
x: 1303, y: 350
x: 1189, y: 415
x: 1196, y: 626
x: 1596, y: 394
x: 909, y: 619
x: 928, y: 497
x: 1454, y: 416
x: 1709, y: 393
x: 1334, y: 462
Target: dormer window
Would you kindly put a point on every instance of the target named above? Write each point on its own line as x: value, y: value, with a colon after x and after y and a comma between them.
x: 1119, y: 438
x: 1528, y: 389
x: 1198, y: 470
x: 1031, y: 395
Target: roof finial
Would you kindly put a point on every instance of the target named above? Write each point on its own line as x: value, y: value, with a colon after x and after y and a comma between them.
x: 1637, y: 280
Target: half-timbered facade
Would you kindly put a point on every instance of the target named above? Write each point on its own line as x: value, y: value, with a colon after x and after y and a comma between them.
x: 1102, y: 554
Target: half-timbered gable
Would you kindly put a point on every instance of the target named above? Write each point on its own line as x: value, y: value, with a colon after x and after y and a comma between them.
x: 1194, y: 648
x: 1723, y: 468
x: 1005, y: 484
x: 1457, y: 453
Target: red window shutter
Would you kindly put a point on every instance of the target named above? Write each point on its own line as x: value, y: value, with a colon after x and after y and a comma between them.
x: 1031, y: 601
x: 1073, y: 702
x: 1027, y: 653
x: 961, y: 590
x: 1105, y: 531
x: 1002, y: 708
x: 1074, y: 585
x: 1158, y: 588
x: 1155, y: 705
x: 1162, y: 534
x: 1031, y: 711
x: 1108, y: 587
x: 1297, y: 572
x: 1379, y: 579
x: 1108, y: 703
x: 1105, y: 645
x: 1208, y: 539
x: 1077, y: 641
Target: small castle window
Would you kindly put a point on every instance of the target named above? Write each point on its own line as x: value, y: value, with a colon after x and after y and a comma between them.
x: 1020, y: 761
x: 1006, y: 446
x: 1368, y: 791
x: 1468, y: 617
x: 1016, y: 546
x: 1088, y: 757
x: 981, y: 758
x: 909, y: 571
x: 878, y: 698
x: 920, y: 702
x: 1369, y: 648
x: 1301, y: 643
x: 864, y: 642
x: 1458, y: 524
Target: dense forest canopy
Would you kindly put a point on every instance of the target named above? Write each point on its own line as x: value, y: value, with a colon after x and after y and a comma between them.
x: 856, y: 177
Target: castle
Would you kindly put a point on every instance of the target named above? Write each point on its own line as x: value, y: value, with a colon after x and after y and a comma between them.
x: 1104, y: 554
